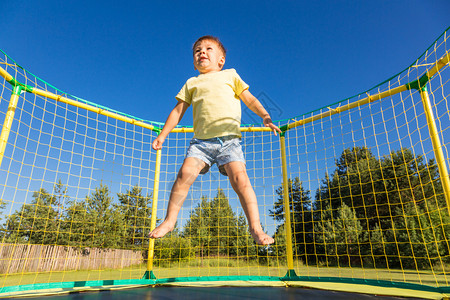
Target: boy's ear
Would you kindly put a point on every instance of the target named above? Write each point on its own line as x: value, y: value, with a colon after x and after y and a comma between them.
x: 222, y: 61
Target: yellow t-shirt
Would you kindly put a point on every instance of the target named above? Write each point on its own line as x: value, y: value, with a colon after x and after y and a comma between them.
x: 215, y: 103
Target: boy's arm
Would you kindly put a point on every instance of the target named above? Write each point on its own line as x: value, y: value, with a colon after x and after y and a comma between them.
x: 258, y: 109
x: 172, y: 120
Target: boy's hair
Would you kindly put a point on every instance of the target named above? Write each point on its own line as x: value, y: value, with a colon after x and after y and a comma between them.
x: 211, y: 38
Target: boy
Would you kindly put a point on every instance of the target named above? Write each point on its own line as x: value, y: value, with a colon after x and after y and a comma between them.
x: 214, y: 95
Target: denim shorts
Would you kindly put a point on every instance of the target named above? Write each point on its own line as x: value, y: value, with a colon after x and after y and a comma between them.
x: 218, y: 150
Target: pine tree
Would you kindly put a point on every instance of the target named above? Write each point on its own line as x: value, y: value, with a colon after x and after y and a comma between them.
x: 35, y: 223
x: 279, y: 246
x: 399, y: 202
x: 301, y: 209
x: 136, y: 210
x: 77, y: 225
x: 173, y: 248
x: 214, y: 229
x: 340, y: 238
x: 107, y: 225
x: 2, y: 226
x: 60, y: 202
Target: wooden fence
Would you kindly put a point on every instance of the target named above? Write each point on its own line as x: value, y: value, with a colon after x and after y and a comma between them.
x: 17, y: 258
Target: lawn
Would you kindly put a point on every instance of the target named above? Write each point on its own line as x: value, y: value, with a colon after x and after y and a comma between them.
x: 223, y: 267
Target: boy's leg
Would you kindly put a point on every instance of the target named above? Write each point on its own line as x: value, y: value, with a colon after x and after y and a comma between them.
x: 187, y: 174
x: 240, y: 182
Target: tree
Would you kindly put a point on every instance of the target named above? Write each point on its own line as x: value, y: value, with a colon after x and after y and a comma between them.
x: 61, y: 199
x: 173, y: 248
x: 420, y: 238
x: 279, y: 246
x: 2, y: 229
x: 35, y: 223
x: 2, y: 207
x: 136, y: 210
x: 301, y: 209
x: 197, y: 228
x: 77, y: 231
x: 339, y: 238
x: 353, y: 183
x: 106, y: 225
x: 398, y: 200
x: 214, y: 229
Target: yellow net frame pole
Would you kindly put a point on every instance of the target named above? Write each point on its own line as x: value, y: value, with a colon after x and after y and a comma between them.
x: 437, y: 146
x: 104, y: 112
x: 333, y: 111
x: 243, y: 129
x: 59, y: 98
x: 287, y: 210
x: 439, y: 64
x: 8, y: 120
x: 151, y: 245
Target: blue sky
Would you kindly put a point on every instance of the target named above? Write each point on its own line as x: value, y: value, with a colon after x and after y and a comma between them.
x: 298, y: 56
x: 302, y: 55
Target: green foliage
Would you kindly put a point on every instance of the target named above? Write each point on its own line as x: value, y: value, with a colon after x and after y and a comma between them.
x: 107, y: 226
x: 2, y: 207
x: 36, y: 223
x: 2, y: 227
x: 400, y: 195
x: 387, y: 212
x: 418, y: 238
x: 340, y: 237
x: 384, y: 212
x: 375, y: 187
x: 301, y: 208
x: 279, y: 246
x: 93, y: 222
x: 136, y: 210
x: 214, y: 229
x: 76, y: 225
x: 173, y: 248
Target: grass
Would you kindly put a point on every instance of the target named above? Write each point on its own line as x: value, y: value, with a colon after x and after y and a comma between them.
x: 226, y: 267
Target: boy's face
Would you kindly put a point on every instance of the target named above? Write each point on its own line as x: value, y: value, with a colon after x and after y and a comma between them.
x: 208, y: 57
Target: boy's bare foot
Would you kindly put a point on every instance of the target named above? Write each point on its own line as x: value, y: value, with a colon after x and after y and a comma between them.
x: 261, y: 238
x: 160, y: 231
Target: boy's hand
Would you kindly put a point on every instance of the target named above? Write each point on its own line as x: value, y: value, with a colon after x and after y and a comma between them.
x: 157, y: 143
x: 268, y: 123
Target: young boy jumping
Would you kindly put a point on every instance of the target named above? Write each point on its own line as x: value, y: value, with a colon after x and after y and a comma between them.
x: 214, y: 95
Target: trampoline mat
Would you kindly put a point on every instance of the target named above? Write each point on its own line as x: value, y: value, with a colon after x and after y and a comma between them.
x: 231, y: 293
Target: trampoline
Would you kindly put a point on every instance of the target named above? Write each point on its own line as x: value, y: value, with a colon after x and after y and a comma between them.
x: 377, y: 227
x: 226, y: 288
x: 226, y: 292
